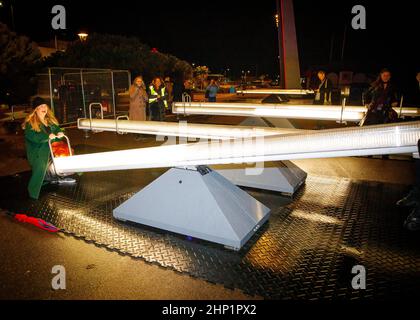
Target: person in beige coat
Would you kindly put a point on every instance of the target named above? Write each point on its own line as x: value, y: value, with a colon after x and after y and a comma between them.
x: 138, y: 101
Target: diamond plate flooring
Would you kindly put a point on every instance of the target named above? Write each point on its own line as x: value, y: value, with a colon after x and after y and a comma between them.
x: 306, y: 251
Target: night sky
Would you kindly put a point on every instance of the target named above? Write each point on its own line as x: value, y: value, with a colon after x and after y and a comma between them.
x: 241, y: 35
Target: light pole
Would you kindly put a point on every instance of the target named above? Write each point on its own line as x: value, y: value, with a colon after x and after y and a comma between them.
x: 12, y: 15
x: 227, y: 72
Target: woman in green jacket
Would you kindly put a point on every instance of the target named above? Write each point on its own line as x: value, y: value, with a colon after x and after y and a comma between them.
x: 40, y: 127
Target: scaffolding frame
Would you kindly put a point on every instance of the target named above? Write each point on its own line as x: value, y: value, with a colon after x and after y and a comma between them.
x: 104, y: 79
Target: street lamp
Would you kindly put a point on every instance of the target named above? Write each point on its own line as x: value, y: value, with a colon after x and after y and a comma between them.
x: 276, y: 17
x: 82, y: 36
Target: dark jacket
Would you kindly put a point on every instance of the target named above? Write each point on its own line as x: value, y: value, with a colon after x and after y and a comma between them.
x: 379, y: 101
x: 377, y: 97
x: 412, y: 95
x: 178, y: 90
x: 324, y: 92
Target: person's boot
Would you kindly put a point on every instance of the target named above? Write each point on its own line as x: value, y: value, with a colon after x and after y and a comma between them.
x: 64, y: 180
x: 412, y: 222
x: 410, y: 200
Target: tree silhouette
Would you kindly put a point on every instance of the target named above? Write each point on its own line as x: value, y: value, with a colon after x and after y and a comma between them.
x: 120, y: 52
x: 19, y: 59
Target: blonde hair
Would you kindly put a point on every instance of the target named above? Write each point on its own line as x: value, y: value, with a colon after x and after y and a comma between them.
x: 132, y: 87
x: 138, y: 77
x: 35, y: 122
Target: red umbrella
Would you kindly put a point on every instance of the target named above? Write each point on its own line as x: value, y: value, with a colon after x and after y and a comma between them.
x: 37, y: 222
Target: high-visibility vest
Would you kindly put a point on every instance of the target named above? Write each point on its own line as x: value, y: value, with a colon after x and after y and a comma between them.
x: 154, y: 94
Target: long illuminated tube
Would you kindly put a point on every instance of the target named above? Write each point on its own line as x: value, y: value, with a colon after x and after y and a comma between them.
x: 351, y: 141
x: 413, y: 112
x: 276, y: 91
x: 279, y: 112
x: 206, y: 131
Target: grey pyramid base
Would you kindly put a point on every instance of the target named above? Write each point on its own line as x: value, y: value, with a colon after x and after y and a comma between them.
x: 197, y: 203
x: 282, y: 176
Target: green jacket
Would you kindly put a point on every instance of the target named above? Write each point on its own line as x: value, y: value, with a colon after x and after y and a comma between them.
x: 38, y: 153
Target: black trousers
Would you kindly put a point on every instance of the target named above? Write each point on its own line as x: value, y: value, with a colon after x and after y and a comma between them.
x: 375, y: 117
x: 157, y: 111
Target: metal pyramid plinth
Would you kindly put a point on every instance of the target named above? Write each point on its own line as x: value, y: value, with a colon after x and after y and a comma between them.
x: 280, y: 176
x: 196, y: 202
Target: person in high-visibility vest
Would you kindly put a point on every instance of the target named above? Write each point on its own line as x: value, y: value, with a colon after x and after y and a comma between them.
x: 158, y: 100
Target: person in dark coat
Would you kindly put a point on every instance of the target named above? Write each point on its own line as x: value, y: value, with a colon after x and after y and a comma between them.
x: 41, y: 126
x: 323, y: 92
x: 178, y: 89
x: 380, y: 100
x: 412, y: 95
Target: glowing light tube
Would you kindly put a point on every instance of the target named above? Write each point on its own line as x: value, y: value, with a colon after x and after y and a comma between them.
x: 276, y: 91
x: 410, y: 112
x: 182, y: 129
x: 286, y: 113
x: 351, y: 141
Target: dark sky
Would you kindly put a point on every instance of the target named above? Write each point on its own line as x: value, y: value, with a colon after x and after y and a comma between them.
x: 242, y: 34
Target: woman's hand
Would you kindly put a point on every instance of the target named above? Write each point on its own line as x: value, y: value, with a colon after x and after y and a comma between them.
x: 60, y: 135
x: 52, y: 136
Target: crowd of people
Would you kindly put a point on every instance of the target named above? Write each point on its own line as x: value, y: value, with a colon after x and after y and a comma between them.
x: 380, y: 98
x: 153, y: 102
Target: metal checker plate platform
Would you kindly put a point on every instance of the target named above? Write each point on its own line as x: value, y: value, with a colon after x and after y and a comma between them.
x: 305, y: 251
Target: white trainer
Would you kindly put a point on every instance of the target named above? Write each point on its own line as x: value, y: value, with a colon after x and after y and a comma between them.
x: 66, y: 180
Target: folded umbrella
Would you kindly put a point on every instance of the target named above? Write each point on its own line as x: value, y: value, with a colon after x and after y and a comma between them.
x: 37, y: 222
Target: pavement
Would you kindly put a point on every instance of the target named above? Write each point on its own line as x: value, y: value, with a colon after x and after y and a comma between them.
x: 29, y: 254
